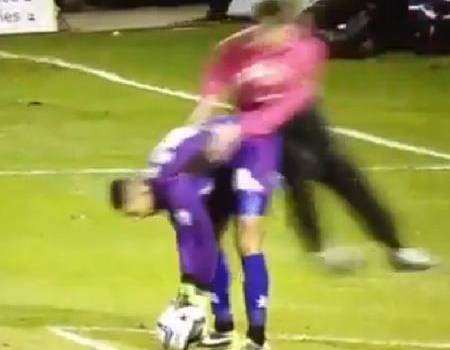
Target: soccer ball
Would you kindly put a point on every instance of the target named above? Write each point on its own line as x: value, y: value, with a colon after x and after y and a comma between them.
x: 178, y: 327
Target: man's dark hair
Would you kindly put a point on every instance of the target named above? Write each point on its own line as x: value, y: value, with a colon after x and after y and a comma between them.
x: 118, y: 193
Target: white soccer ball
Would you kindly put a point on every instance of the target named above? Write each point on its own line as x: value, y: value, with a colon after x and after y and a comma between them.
x: 177, y: 328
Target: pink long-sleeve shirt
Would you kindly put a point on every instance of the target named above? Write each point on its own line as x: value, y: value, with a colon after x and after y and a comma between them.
x: 269, y: 84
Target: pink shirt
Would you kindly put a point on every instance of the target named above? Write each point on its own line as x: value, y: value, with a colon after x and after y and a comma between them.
x: 269, y: 84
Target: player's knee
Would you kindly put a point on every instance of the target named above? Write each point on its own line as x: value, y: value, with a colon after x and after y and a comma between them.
x: 250, y: 235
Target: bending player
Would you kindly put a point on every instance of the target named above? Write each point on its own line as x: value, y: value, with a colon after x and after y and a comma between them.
x: 181, y: 183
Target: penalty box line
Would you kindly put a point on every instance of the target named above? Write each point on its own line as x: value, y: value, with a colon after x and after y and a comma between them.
x: 116, y: 78
x: 118, y: 171
x: 67, y: 332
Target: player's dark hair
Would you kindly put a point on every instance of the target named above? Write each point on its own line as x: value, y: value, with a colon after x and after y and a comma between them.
x: 118, y: 193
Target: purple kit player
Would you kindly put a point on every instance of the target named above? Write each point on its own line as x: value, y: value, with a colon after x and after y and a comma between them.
x: 182, y: 182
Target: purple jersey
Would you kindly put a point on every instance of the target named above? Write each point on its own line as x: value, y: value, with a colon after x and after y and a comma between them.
x: 182, y: 150
x: 199, y: 196
x: 181, y: 153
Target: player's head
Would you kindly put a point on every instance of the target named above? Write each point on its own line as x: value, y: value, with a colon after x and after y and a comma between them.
x: 133, y: 197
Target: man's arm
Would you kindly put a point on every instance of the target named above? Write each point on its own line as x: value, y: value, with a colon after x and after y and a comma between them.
x: 217, y: 83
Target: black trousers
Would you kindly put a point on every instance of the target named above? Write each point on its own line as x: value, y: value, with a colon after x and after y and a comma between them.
x: 310, y: 155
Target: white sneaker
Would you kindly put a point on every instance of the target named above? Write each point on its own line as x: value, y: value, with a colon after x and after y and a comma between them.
x: 251, y: 345
x: 217, y: 340
x: 411, y: 259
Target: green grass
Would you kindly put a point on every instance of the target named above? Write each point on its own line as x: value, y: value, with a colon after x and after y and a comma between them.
x: 66, y: 259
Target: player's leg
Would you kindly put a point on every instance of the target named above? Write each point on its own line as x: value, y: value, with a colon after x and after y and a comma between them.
x: 256, y: 277
x: 221, y: 207
x: 254, y: 179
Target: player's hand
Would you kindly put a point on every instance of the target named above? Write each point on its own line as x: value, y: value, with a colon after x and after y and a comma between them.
x: 224, y: 141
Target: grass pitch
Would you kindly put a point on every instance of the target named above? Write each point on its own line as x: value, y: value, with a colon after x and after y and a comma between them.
x: 66, y: 259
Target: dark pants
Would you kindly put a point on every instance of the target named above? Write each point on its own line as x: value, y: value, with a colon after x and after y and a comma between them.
x: 311, y: 155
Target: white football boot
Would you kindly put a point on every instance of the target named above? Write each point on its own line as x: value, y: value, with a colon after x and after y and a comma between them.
x: 411, y: 259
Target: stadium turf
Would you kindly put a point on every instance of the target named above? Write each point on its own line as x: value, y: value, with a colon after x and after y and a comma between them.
x: 66, y: 259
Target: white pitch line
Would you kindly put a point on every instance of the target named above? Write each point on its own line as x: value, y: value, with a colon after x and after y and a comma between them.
x: 87, y: 171
x: 359, y: 135
x: 118, y: 171
x: 78, y: 339
x: 107, y: 329
x: 115, y: 78
x: 433, y: 167
x: 291, y: 338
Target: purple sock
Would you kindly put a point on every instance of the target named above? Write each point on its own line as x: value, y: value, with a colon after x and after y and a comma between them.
x: 221, y: 298
x: 256, y: 289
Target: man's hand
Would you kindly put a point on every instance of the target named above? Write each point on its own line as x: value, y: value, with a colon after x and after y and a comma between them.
x: 203, y: 110
x: 224, y: 141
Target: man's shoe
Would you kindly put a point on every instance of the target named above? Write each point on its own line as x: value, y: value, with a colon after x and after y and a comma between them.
x: 411, y: 259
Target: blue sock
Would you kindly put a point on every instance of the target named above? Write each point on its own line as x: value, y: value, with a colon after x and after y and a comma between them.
x: 221, y: 298
x: 256, y: 289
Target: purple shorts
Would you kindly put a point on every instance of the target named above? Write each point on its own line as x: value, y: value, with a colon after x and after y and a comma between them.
x: 255, y: 174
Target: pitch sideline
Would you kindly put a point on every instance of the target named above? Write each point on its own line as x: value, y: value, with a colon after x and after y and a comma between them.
x: 116, y: 78
x: 67, y: 333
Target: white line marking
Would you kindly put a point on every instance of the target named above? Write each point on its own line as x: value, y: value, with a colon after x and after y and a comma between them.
x: 359, y: 135
x: 433, y: 167
x: 78, y: 339
x: 107, y: 329
x: 88, y: 171
x: 118, y: 171
x: 113, y: 77
x: 292, y: 338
